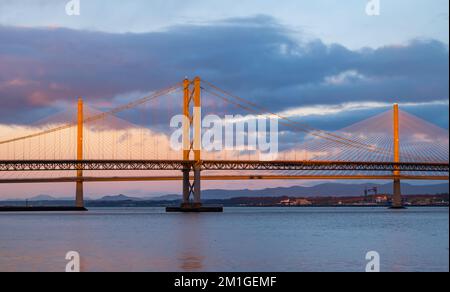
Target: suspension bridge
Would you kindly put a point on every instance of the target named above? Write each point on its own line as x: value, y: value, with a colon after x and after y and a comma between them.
x: 131, y: 143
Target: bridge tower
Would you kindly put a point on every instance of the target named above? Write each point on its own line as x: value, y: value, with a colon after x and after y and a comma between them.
x: 192, y: 143
x: 397, y: 202
x: 79, y: 200
x: 192, y: 146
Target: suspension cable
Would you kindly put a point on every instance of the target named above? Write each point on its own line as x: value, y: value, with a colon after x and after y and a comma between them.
x: 99, y: 116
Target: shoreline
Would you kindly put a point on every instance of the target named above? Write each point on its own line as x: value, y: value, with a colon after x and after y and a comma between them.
x: 76, y: 209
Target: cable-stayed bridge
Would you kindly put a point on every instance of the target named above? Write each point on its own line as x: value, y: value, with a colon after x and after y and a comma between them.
x: 132, y: 143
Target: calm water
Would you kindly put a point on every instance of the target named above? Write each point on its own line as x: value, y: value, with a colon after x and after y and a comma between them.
x: 241, y: 239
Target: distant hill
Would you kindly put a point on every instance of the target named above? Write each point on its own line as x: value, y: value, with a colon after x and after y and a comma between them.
x: 42, y: 198
x: 321, y: 190
x: 49, y: 198
x: 120, y: 198
x: 326, y: 190
x: 165, y: 198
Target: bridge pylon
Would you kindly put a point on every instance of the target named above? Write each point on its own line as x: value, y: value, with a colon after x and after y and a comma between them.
x: 79, y: 196
x: 192, y: 143
x: 192, y: 146
x: 397, y: 201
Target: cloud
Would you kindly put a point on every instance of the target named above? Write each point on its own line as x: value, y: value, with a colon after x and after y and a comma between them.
x: 347, y: 77
x: 256, y: 58
x: 325, y: 110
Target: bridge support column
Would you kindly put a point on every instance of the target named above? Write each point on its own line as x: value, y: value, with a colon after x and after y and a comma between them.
x: 79, y: 196
x: 186, y: 186
x: 197, y: 187
x: 397, y: 201
x: 191, y: 189
x: 79, y: 201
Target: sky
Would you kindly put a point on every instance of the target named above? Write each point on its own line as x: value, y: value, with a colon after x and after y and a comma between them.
x: 334, y: 21
x: 306, y: 58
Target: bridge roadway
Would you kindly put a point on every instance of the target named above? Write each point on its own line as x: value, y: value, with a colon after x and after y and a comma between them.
x: 434, y: 171
x: 67, y: 165
x: 220, y: 178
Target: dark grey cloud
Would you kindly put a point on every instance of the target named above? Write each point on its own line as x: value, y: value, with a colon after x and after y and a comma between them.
x: 255, y: 58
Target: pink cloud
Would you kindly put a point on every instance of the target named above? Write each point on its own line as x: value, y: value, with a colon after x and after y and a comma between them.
x: 39, y: 98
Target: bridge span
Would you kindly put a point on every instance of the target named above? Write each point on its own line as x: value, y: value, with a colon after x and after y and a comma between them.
x: 203, y: 165
x: 354, y: 157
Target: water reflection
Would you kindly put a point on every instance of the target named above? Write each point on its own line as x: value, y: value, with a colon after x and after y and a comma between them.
x: 190, y: 258
x: 191, y: 263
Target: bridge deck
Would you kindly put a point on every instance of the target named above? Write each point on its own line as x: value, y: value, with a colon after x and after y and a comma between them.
x: 99, y: 165
x: 221, y: 178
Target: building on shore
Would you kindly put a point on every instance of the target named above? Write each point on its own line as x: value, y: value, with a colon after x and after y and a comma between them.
x: 295, y: 202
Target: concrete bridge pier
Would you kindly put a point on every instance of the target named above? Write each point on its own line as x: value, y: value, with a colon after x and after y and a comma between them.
x: 186, y: 185
x: 397, y: 201
x: 79, y: 196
